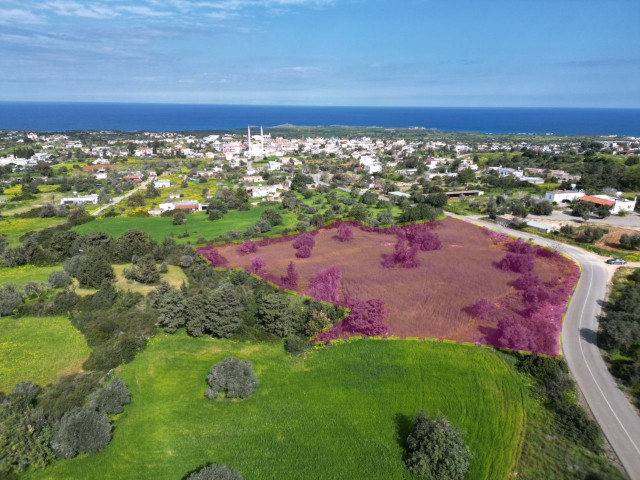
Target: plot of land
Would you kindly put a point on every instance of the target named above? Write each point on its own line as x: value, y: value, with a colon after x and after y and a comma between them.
x: 431, y: 300
x: 39, y: 350
x: 26, y: 273
x: 336, y: 414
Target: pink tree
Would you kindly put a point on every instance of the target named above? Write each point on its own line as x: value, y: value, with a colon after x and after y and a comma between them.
x: 290, y: 280
x: 212, y: 254
x: 247, y: 247
x: 366, y: 317
x: 304, y: 251
x: 325, y: 284
x: 345, y: 233
x: 305, y: 239
x: 513, y: 262
x: 404, y: 255
x: 481, y: 309
x: 257, y: 265
x: 520, y: 246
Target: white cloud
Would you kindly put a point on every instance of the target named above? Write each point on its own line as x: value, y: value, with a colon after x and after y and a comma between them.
x: 76, y: 9
x: 16, y: 15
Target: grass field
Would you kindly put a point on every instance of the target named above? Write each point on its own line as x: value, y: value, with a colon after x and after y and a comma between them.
x: 198, y: 225
x: 174, y: 276
x: 14, y: 228
x: 339, y: 413
x: 26, y: 273
x: 39, y: 350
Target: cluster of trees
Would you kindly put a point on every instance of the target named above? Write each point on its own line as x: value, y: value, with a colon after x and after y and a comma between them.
x: 620, y: 331
x: 37, y: 426
x: 584, y: 234
x: 555, y: 385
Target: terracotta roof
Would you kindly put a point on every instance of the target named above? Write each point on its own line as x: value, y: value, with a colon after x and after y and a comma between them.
x: 597, y: 201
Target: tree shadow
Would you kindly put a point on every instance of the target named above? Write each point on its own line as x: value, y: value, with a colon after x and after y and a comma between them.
x: 589, y: 335
x: 404, y: 425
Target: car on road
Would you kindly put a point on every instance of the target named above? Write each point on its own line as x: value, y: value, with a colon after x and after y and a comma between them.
x: 617, y: 261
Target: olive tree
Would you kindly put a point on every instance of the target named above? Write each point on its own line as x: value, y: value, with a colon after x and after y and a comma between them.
x: 233, y: 377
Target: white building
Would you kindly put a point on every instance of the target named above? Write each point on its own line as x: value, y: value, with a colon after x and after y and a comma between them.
x: 274, y: 165
x: 162, y: 183
x: 260, y: 191
x: 81, y: 200
x: 559, y: 196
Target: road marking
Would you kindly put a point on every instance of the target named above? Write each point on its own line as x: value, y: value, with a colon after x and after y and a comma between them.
x: 580, y: 340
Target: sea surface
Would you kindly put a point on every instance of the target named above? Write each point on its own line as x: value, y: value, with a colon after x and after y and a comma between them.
x: 54, y: 117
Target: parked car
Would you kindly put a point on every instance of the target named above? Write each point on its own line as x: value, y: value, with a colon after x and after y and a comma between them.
x: 617, y: 261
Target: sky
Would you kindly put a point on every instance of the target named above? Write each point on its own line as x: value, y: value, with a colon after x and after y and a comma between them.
x: 458, y: 53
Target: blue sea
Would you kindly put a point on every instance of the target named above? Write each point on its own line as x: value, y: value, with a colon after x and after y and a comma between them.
x: 54, y: 117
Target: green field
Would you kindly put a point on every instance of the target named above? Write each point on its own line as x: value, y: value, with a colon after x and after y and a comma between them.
x: 198, y: 225
x: 25, y: 273
x: 339, y: 413
x: 14, y: 228
x: 39, y: 350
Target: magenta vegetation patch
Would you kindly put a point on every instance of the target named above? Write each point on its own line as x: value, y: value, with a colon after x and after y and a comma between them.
x: 446, y: 279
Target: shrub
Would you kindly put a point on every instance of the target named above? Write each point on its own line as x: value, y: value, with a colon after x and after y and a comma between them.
x: 81, y: 430
x: 105, y: 296
x: 247, y: 247
x: 295, y: 344
x: 436, y: 450
x: 10, y: 299
x: 59, y: 279
x: 513, y: 262
x: 345, y: 233
x: 143, y: 270
x: 257, y: 265
x: 366, y: 317
x: 179, y: 218
x: 93, y: 268
x: 304, y: 251
x: 304, y: 239
x: 233, y: 377
x: 404, y: 255
x: 211, y: 253
x: 215, y: 471
x: 111, y: 398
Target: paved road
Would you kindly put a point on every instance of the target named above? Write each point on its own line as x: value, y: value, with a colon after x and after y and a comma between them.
x: 617, y: 418
x: 116, y: 200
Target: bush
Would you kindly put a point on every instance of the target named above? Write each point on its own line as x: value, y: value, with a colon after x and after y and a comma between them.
x: 111, y: 398
x: 295, y: 344
x: 10, y: 299
x: 143, y: 270
x: 436, y: 450
x: 215, y: 471
x: 93, y: 268
x: 81, y: 430
x: 59, y: 279
x: 233, y: 377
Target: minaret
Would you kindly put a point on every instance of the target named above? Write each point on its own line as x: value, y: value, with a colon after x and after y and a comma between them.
x: 249, y: 141
x: 262, y: 140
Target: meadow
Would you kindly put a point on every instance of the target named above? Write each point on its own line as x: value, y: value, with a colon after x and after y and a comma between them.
x: 14, y: 228
x: 26, y: 273
x: 198, y: 225
x: 40, y: 349
x: 338, y: 412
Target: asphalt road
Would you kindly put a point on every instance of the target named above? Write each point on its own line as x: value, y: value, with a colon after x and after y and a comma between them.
x: 611, y: 409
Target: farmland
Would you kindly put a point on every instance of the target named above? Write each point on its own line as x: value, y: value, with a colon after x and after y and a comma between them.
x: 336, y: 413
x: 41, y: 349
x: 432, y: 300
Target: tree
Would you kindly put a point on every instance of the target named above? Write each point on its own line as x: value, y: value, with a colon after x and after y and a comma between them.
x: 59, y: 279
x: 218, y: 312
x: 233, y: 377
x: 436, y: 450
x: 290, y: 280
x: 275, y: 314
x: 172, y: 306
x: 325, y: 284
x: 81, y: 430
x: 10, y: 299
x: 345, y: 233
x: 110, y: 398
x: 257, y: 265
x: 404, y: 255
x: 272, y: 216
x: 143, y: 270
x: 215, y: 471
x: 136, y: 200
x: 152, y: 191
x: 133, y: 243
x: 543, y: 208
x: 179, y: 218
x: 93, y: 268
x: 61, y: 244
x: 359, y: 212
x: 422, y: 211
x: 25, y: 432
x: 630, y: 241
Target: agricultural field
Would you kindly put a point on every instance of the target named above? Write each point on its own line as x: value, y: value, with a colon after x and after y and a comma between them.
x: 198, y: 225
x: 439, y: 297
x: 337, y: 412
x: 41, y: 350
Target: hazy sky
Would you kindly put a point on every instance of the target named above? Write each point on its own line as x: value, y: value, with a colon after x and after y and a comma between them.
x: 582, y: 53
